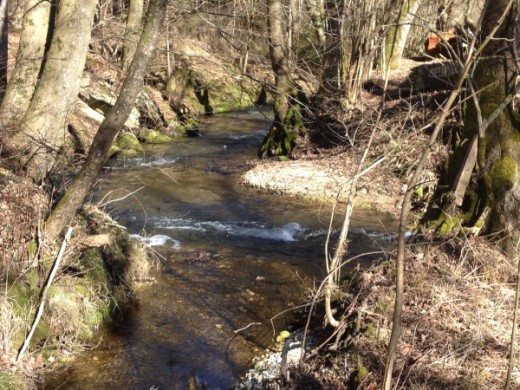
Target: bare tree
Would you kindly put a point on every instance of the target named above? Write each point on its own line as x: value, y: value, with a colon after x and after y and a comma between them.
x: 480, y: 191
x: 317, y: 15
x: 29, y: 60
x: 98, y: 153
x: 354, y: 34
x: 42, y: 131
x: 494, y: 16
x: 3, y: 47
x: 282, y: 135
x: 134, y: 25
x: 397, y: 37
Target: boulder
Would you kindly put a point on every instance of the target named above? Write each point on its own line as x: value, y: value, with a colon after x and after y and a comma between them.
x: 126, y: 145
x: 150, y: 136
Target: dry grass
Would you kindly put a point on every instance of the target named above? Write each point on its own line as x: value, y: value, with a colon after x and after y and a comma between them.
x: 90, y: 283
x: 22, y: 208
x: 457, y: 320
x: 11, y: 323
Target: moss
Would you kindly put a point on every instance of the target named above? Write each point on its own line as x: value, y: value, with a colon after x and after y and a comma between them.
x: 153, y: 137
x: 373, y: 334
x: 96, y: 273
x: 49, y: 353
x: 92, y: 319
x: 391, y: 38
x: 448, y: 224
x: 32, y: 279
x: 24, y: 297
x: 181, y: 130
x: 32, y: 248
x: 504, y: 173
x: 127, y: 145
x: 41, y: 333
x: 361, y: 374
x: 230, y: 97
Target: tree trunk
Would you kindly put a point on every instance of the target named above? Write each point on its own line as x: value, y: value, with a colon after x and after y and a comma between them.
x: 293, y: 28
x: 132, y: 31
x: 491, y: 200
x: 333, y: 76
x: 317, y: 15
x: 3, y: 47
x: 98, y: 153
x: 282, y: 135
x: 29, y: 60
x: 456, y: 15
x: 43, y: 128
x: 398, y: 34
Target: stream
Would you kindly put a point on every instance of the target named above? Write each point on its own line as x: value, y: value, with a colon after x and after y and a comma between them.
x: 230, y: 259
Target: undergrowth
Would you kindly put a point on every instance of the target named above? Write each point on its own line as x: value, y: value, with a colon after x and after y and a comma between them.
x: 457, y: 318
x: 94, y: 279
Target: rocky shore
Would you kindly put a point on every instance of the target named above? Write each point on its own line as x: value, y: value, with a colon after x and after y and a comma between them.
x: 328, y: 179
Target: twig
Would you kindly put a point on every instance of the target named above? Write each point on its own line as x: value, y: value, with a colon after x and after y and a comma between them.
x: 318, y: 292
x: 119, y: 199
x: 247, y: 326
x: 44, y: 295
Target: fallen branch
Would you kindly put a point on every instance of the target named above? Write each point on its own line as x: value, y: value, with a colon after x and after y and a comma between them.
x: 44, y: 295
x: 247, y: 326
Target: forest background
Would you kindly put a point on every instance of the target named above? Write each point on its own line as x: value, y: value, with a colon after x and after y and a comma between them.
x: 350, y: 79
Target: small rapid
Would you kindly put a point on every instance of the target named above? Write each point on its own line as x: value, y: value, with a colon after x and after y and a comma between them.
x: 230, y: 260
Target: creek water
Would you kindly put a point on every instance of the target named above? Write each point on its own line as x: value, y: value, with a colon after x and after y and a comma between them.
x: 231, y: 258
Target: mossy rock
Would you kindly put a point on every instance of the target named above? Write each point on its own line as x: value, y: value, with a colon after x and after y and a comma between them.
x: 231, y: 97
x: 150, y: 136
x: 127, y: 145
x: 188, y: 128
x: 180, y: 130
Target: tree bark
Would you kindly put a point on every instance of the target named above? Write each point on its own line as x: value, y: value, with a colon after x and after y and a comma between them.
x: 3, y: 47
x: 317, y: 15
x: 491, y: 202
x: 29, y: 60
x: 398, y: 34
x: 43, y: 129
x: 98, y: 153
x: 282, y: 135
x: 333, y: 76
x: 132, y: 31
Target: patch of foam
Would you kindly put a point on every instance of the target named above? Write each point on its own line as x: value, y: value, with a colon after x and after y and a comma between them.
x: 288, y: 232
x: 158, y: 240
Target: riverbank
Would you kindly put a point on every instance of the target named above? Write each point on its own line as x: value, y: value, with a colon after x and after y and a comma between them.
x: 457, y: 318
x: 457, y: 314
x: 459, y: 291
x: 328, y: 179
x: 97, y: 277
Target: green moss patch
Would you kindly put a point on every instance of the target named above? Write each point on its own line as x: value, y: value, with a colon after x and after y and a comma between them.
x: 126, y: 145
x: 504, y: 173
x: 150, y: 136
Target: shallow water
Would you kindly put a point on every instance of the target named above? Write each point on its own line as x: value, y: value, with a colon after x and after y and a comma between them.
x: 231, y: 259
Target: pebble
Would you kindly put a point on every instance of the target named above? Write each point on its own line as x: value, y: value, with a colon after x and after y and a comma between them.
x: 267, y: 367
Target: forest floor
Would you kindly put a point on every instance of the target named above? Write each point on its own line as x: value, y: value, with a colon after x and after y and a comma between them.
x: 459, y: 291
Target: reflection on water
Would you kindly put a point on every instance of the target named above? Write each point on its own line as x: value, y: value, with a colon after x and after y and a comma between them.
x: 231, y: 257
